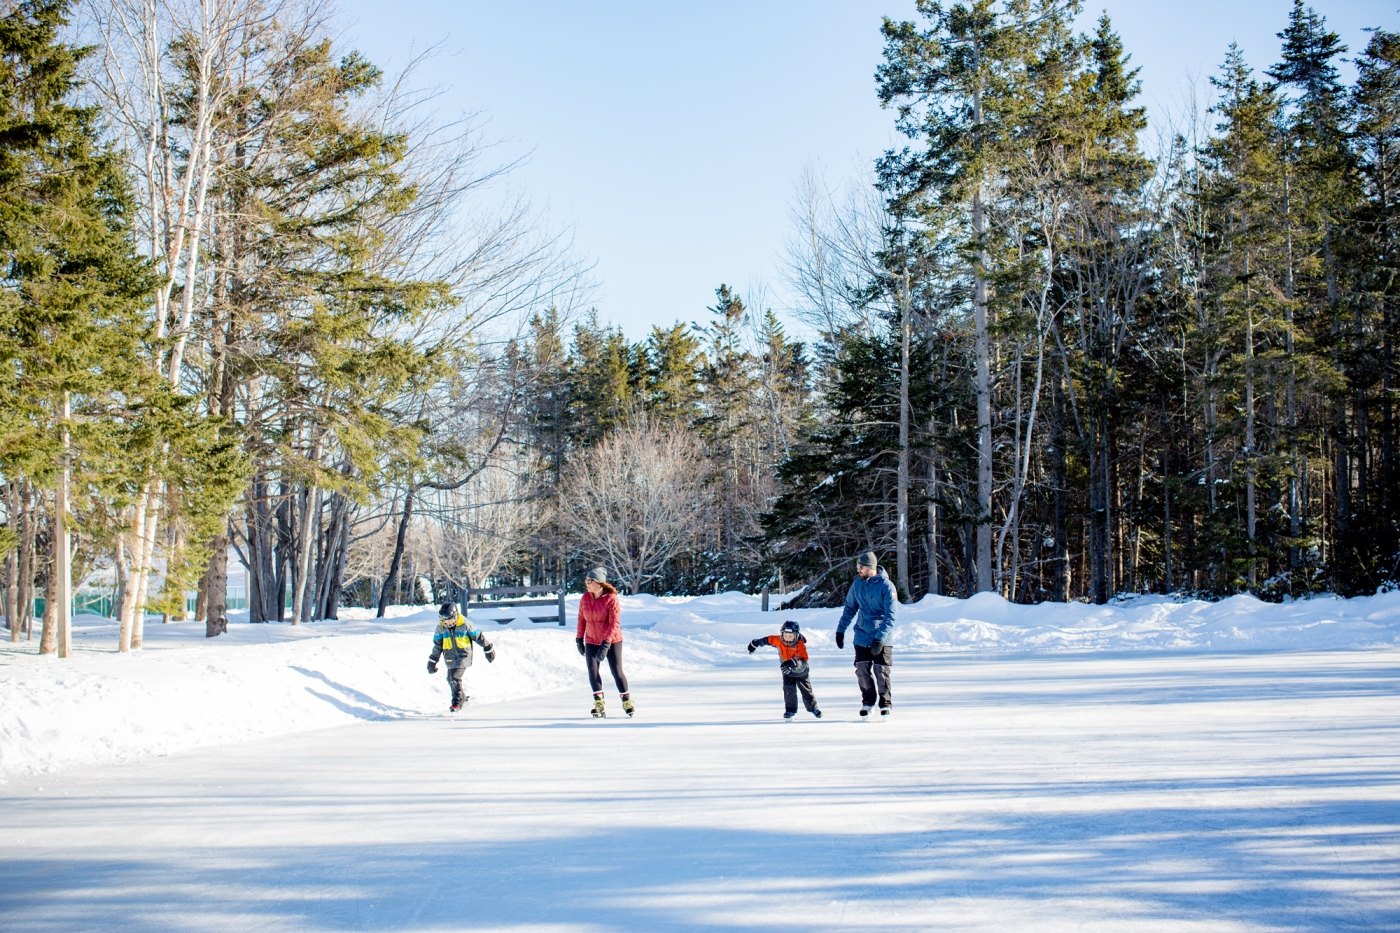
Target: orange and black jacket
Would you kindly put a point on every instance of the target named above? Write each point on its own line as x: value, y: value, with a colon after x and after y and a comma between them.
x: 793, y: 657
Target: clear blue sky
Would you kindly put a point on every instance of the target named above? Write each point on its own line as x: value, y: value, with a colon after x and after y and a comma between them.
x: 670, y: 134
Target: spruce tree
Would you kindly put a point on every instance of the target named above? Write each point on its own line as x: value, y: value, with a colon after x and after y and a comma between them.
x: 72, y: 337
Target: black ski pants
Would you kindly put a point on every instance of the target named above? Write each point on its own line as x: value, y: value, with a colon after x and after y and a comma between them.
x: 595, y: 660
x: 791, y: 686
x: 873, y: 675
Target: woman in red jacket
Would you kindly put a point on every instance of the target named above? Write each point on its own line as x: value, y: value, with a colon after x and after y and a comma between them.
x: 600, y: 636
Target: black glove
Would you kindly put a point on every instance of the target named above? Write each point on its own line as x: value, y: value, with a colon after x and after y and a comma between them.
x: 603, y: 649
x: 581, y: 649
x: 876, y: 647
x: 490, y: 653
x: 753, y: 645
x: 432, y: 667
x: 840, y: 639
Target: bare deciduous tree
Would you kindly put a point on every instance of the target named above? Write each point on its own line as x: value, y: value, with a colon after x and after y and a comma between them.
x: 636, y: 499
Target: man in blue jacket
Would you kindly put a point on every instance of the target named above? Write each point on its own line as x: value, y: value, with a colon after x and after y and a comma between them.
x: 871, y: 601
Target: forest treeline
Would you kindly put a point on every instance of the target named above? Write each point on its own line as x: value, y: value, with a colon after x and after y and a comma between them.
x: 262, y: 301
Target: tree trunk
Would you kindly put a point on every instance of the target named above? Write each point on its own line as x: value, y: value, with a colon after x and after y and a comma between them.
x: 216, y: 588
x: 311, y: 507
x: 1101, y: 519
x: 26, y: 563
x: 1296, y: 502
x: 332, y: 610
x: 142, y: 594
x: 935, y: 582
x: 48, y: 635
x: 391, y: 581
x: 902, y: 504
x: 123, y: 585
x: 13, y: 616
x: 1166, y: 516
x: 983, y: 559
x: 1059, y: 561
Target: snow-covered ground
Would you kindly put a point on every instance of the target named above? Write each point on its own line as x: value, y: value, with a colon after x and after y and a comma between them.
x: 1150, y: 765
x: 185, y: 691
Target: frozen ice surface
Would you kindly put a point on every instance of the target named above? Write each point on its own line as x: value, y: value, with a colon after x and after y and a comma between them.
x: 1023, y: 785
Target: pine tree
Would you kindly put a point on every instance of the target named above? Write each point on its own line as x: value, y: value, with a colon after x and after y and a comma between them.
x: 1322, y: 195
x: 1376, y: 227
x: 1241, y: 199
x: 317, y: 320
x: 603, y: 374
x: 671, y: 392
x: 728, y: 421
x: 79, y: 400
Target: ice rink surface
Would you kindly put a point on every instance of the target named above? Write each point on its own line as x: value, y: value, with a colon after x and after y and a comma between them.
x: 1114, y: 791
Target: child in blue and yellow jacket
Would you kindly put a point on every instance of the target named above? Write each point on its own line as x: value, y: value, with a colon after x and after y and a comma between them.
x: 797, y: 673
x: 452, y: 641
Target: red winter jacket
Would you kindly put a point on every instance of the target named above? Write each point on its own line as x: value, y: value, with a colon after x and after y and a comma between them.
x: 600, y: 618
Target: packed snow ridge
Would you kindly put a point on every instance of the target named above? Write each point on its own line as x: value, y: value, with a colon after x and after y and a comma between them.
x: 184, y: 691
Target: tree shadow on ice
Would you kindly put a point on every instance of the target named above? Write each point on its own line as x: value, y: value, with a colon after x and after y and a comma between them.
x: 1026, y: 682
x: 1317, y: 867
x: 372, y: 709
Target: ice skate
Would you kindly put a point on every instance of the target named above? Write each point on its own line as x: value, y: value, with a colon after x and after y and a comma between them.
x: 598, y: 711
x: 865, y: 712
x: 627, y: 707
x: 817, y: 713
x: 788, y: 714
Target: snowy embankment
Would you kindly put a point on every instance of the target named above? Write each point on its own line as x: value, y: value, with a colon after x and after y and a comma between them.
x: 184, y: 691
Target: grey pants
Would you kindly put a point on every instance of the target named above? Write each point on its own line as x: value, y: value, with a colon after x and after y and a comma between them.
x: 791, y: 686
x: 873, y: 675
x: 454, y: 680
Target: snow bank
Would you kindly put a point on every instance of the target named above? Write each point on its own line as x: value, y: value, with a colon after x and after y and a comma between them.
x: 184, y: 691
x: 988, y: 622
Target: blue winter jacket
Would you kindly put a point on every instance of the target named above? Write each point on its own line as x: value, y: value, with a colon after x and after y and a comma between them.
x: 875, y: 600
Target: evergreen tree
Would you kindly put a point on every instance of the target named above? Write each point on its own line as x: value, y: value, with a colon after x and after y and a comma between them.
x: 671, y: 390
x: 79, y: 397
x: 729, y: 417
x: 603, y: 371
x: 1322, y: 195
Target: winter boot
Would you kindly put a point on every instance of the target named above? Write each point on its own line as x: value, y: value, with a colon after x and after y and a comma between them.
x: 627, y: 706
x: 598, y: 711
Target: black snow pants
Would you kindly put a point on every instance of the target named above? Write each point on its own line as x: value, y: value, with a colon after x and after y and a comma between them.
x: 454, y: 680
x: 791, y: 685
x: 595, y: 674
x: 873, y: 675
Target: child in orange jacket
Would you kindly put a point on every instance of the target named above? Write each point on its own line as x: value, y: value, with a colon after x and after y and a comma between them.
x: 792, y: 650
